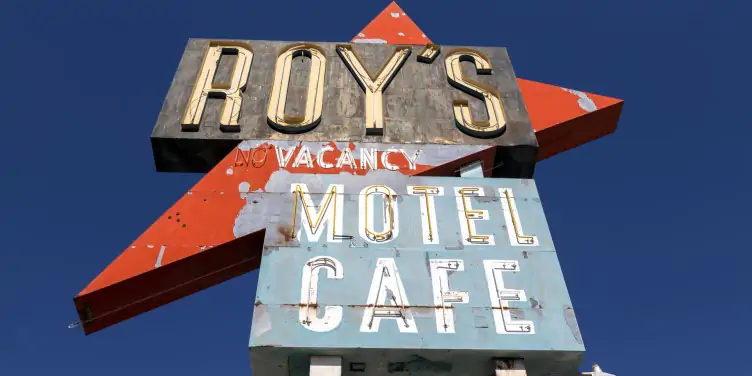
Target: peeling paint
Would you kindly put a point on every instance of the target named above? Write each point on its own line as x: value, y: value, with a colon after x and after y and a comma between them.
x: 262, y: 323
x: 583, y: 100
x: 572, y: 323
x: 371, y: 40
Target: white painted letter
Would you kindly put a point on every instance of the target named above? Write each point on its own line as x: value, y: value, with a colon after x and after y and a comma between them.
x: 320, y: 157
x: 511, y: 216
x: 346, y: 159
x: 411, y: 160
x: 368, y: 158
x: 387, y: 300
x: 282, y: 158
x: 324, y: 213
x: 385, y: 160
x: 304, y: 156
x: 427, y: 211
x: 468, y: 216
x: 388, y: 213
x: 500, y: 296
x: 309, y: 293
x: 442, y: 296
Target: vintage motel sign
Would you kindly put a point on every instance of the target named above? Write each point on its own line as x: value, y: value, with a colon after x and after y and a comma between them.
x: 365, y: 119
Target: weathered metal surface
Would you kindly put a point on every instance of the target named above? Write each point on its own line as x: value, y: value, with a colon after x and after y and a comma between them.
x: 215, y: 231
x: 417, y: 105
x: 564, y: 119
x: 534, y: 319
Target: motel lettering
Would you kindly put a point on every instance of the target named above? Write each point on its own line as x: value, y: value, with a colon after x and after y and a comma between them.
x: 313, y: 218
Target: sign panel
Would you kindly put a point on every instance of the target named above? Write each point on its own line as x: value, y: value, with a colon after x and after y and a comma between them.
x: 226, y: 91
x: 410, y: 274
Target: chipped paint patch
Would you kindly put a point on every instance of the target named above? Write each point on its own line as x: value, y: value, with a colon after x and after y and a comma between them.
x: 585, y: 102
x: 159, y: 257
x: 244, y: 188
x: 374, y: 40
x: 262, y: 323
x: 572, y: 323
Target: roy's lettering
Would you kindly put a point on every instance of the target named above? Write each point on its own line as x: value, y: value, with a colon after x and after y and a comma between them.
x: 373, y: 85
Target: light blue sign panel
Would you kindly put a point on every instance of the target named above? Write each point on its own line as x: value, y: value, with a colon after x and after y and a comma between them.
x: 410, y: 274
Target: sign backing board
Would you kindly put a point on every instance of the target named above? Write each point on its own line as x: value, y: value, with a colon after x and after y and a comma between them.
x: 420, y: 274
x: 277, y: 90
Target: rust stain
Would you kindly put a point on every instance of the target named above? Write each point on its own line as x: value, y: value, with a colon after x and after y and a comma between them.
x: 285, y: 232
x: 364, y: 306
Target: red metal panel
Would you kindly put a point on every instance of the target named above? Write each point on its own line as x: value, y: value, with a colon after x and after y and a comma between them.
x: 564, y: 119
x: 392, y: 26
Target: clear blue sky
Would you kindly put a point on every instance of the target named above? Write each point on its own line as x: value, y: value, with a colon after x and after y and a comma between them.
x: 650, y: 223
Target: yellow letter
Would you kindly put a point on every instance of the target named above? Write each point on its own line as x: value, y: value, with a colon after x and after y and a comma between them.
x: 470, y: 215
x: 373, y: 87
x: 429, y: 53
x: 326, y: 213
x: 231, y: 92
x: 315, y: 99
x: 366, y: 216
x: 496, y: 123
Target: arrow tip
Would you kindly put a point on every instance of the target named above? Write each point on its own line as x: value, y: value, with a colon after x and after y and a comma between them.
x: 392, y: 26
